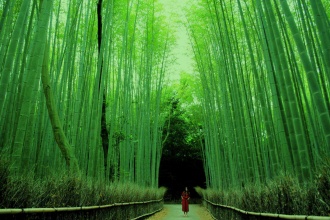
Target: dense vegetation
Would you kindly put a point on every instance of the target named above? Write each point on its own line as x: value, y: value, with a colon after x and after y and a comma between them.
x: 85, y: 97
x: 282, y: 195
x: 56, y: 75
x: 81, y: 85
x: 181, y: 163
x: 264, y: 70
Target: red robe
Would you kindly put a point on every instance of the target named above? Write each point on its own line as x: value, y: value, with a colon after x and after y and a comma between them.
x: 185, y: 201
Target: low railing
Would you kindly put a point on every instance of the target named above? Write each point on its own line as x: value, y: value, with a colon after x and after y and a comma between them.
x: 242, y: 214
x: 123, y: 210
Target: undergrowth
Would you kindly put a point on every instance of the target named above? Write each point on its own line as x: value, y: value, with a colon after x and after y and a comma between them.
x: 73, y: 191
x: 283, y: 195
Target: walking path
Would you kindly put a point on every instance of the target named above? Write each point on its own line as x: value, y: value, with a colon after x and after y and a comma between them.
x: 174, y: 212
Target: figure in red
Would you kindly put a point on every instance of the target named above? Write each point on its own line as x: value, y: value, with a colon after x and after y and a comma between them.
x: 185, y: 196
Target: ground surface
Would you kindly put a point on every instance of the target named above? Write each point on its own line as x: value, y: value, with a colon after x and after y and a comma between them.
x: 173, y: 212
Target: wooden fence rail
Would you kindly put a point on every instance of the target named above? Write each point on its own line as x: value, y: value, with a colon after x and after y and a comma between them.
x: 35, y: 211
x: 267, y: 215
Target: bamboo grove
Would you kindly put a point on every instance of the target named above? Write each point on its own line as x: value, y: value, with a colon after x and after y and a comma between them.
x: 264, y: 68
x: 82, y: 88
x: 81, y: 84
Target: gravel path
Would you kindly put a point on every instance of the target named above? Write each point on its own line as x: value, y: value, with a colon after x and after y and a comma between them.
x: 173, y: 212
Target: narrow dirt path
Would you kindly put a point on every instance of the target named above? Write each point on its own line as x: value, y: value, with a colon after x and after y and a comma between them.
x: 173, y: 212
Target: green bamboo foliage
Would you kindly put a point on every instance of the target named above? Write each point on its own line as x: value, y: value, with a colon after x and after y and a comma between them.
x: 126, y: 71
x: 262, y: 69
x: 137, y: 89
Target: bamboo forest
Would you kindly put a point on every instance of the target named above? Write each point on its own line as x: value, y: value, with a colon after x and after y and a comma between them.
x: 109, y: 108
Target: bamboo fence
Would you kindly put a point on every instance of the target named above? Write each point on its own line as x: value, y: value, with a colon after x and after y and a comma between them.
x: 268, y: 215
x: 16, y: 211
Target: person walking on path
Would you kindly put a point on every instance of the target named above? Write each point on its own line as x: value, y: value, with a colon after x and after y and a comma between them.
x: 185, y: 196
